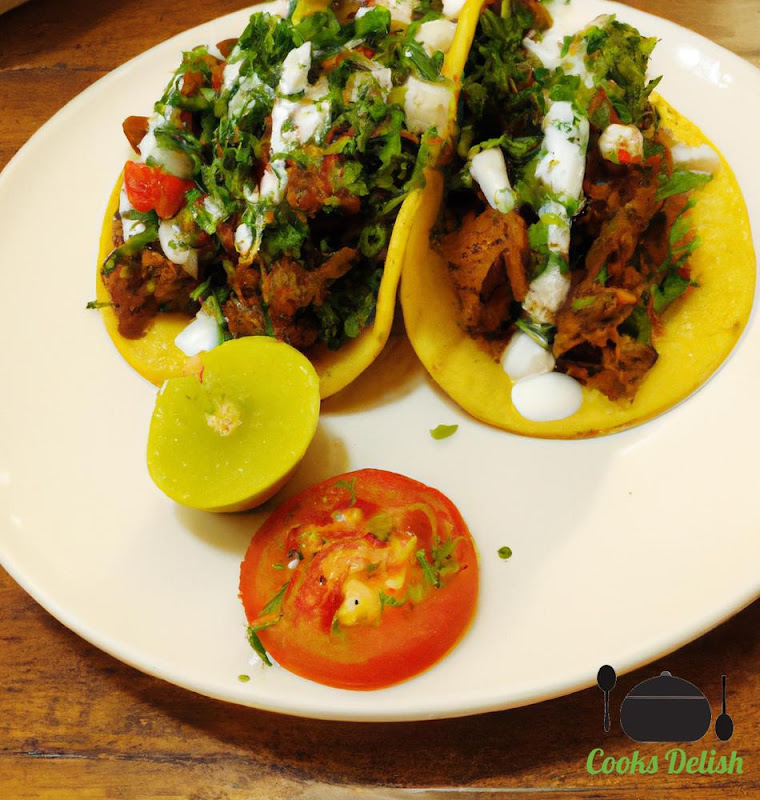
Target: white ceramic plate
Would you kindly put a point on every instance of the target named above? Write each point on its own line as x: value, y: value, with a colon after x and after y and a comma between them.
x: 625, y: 547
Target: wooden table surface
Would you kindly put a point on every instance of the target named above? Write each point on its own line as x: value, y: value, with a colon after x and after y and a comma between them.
x: 76, y: 723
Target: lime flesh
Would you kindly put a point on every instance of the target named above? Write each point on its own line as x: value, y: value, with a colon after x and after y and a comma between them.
x: 228, y: 438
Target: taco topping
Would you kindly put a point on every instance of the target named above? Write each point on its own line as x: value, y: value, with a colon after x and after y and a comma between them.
x: 567, y: 206
x: 271, y: 172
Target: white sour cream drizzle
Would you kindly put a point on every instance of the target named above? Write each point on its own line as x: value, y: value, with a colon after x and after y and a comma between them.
x: 546, y: 397
x: 129, y: 227
x: 539, y: 393
x: 173, y: 161
x: 176, y: 247
x: 489, y: 169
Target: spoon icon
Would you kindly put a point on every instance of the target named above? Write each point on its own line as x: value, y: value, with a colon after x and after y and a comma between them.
x: 724, y: 725
x: 606, y: 680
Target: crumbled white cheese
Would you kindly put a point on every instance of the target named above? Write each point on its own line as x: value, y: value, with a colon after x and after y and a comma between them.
x: 243, y: 239
x: 373, y: 81
x: 173, y: 161
x: 201, y: 335
x: 453, y: 8
x: 427, y: 105
x: 557, y: 227
x: 213, y: 209
x: 401, y: 10
x: 627, y: 138
x: 250, y: 88
x: 436, y: 35
x: 176, y: 246
x: 231, y: 72
x: 701, y: 159
x: 274, y: 182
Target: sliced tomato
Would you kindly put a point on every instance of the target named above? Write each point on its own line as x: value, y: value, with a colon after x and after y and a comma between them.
x: 360, y: 581
x: 150, y: 188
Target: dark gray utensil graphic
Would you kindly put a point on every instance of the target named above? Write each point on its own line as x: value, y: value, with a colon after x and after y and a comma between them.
x: 606, y: 680
x: 724, y: 725
x: 665, y: 709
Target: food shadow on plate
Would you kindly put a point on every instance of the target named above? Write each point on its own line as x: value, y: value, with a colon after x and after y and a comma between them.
x: 394, y: 374
x: 232, y: 533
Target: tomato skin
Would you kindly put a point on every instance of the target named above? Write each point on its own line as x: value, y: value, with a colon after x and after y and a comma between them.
x: 152, y: 188
x: 406, y: 638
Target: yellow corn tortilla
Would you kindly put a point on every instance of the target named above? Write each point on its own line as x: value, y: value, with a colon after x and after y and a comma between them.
x: 700, y: 329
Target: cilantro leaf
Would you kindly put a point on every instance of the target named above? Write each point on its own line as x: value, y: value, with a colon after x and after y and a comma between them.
x: 350, y: 486
x: 443, y: 431
x: 680, y: 181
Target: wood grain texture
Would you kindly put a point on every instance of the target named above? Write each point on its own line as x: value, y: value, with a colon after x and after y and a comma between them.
x: 75, y: 723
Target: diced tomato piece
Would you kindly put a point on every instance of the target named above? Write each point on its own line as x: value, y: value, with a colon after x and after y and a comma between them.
x: 226, y: 46
x: 217, y: 76
x: 623, y: 156
x: 152, y: 188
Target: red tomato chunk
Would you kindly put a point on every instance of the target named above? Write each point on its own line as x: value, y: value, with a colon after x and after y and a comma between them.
x: 152, y: 188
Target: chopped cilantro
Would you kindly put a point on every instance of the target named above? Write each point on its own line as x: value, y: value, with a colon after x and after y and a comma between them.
x: 582, y: 302
x: 244, y: 678
x: 349, y: 486
x: 380, y: 526
x: 389, y: 600
x: 505, y: 552
x: 271, y: 608
x: 541, y: 332
x: 443, y: 431
x: 681, y: 181
x: 427, y: 569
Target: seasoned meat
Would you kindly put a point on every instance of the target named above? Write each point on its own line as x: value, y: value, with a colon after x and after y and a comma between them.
x: 287, y: 287
x: 488, y: 258
x: 245, y: 318
x: 312, y: 190
x: 616, y: 370
x: 588, y: 344
x: 144, y: 286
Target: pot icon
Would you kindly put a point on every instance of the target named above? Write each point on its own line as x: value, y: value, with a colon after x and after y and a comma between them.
x: 665, y: 709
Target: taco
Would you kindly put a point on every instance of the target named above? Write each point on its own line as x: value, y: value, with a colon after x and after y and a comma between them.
x: 275, y: 186
x: 584, y: 261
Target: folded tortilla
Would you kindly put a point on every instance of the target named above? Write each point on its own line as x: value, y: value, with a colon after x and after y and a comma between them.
x: 700, y: 329
x: 156, y: 357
